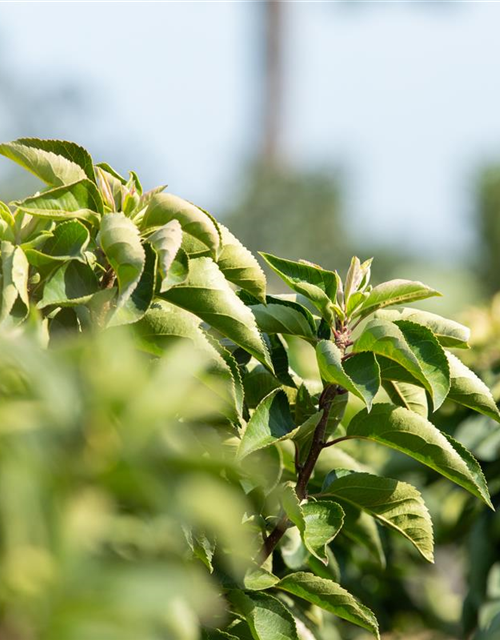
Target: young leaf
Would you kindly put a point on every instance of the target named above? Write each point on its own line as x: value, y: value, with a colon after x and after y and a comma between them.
x: 412, y: 434
x: 120, y: 241
x: 395, y: 292
x: 318, y: 285
x: 271, y: 422
x: 165, y: 207
x: 76, y: 200
x: 358, y: 274
x: 267, y: 617
x: 331, y: 597
x: 469, y: 390
x: 365, y: 370
x: 409, y: 396
x: 395, y: 504
x: 15, y: 270
x: 72, y: 284
x: 317, y: 521
x: 240, y: 267
x: 56, y: 162
x: 166, y: 241
x: 448, y: 332
x: 207, y: 294
x: 387, y: 339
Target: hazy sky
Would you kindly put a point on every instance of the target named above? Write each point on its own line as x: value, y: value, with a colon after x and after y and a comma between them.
x: 405, y: 96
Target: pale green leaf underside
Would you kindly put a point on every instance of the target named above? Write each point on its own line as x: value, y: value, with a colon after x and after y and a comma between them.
x: 415, y: 436
x: 53, y: 161
x: 207, y: 294
x: 469, y: 390
x: 76, y: 200
x: 448, y: 332
x: 395, y: 292
x: 166, y: 241
x: 240, y: 266
x: 120, y: 241
x: 330, y: 596
x: 165, y: 207
x: 395, y: 504
x: 15, y: 269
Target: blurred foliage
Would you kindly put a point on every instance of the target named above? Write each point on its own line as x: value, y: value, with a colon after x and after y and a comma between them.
x: 153, y: 457
x: 487, y: 213
x: 289, y: 213
x: 98, y: 472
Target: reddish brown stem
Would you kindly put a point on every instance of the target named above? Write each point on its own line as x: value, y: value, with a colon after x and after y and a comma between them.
x: 325, y: 403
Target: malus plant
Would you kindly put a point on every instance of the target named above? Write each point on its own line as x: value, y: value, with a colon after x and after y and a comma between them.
x: 93, y: 251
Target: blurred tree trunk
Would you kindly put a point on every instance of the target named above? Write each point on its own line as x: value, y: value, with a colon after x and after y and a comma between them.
x: 273, y: 82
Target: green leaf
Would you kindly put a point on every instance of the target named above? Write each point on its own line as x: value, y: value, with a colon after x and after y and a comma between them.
x: 163, y: 324
x: 421, y: 358
x: 207, y: 294
x: 15, y: 269
x: 282, y: 318
x: 56, y: 162
x: 418, y: 438
x: 164, y: 207
x: 409, y: 396
x: 395, y: 292
x: 317, y: 521
x: 448, y: 332
x: 240, y: 267
x: 257, y: 579
x: 137, y: 304
x: 68, y: 241
x: 270, y: 422
x: 365, y: 369
x: 76, y: 200
x: 120, y: 241
x: 266, y: 616
x: 7, y: 223
x: 316, y: 284
x: 431, y: 358
x: 201, y: 546
x: 395, y: 504
x: 331, y: 597
x: 166, y: 241
x: 469, y: 390
x: 71, y: 284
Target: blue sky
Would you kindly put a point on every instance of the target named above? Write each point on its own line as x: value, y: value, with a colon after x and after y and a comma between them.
x: 405, y: 97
